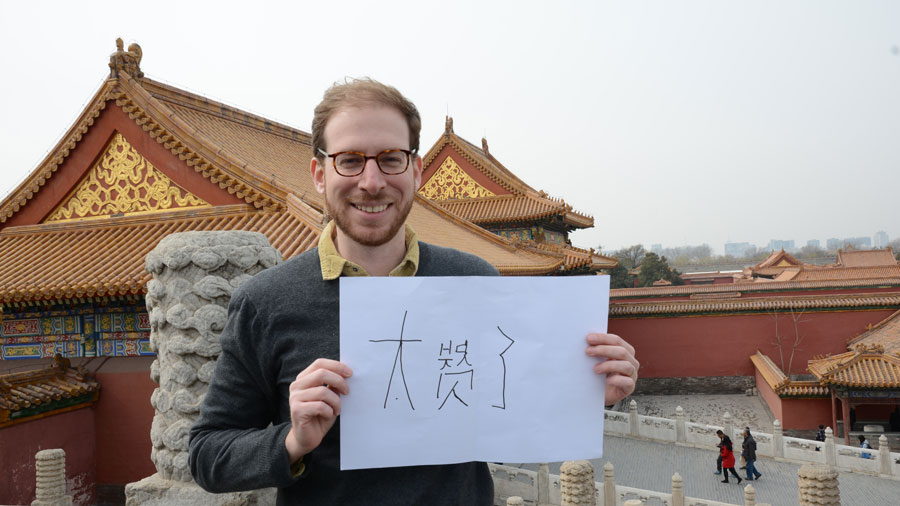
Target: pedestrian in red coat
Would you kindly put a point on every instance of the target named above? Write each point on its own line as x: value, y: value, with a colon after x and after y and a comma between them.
x: 728, y: 460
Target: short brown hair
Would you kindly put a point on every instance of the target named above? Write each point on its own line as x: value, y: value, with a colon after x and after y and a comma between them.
x: 357, y: 92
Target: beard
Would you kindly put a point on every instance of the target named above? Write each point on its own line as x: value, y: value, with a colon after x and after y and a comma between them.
x: 364, y: 235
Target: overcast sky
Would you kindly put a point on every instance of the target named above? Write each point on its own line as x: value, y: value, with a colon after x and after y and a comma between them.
x: 670, y: 122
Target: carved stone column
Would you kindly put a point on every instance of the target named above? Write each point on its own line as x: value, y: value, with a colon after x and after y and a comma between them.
x: 50, y: 479
x: 749, y: 495
x: 514, y: 501
x: 680, y: 431
x: 609, y: 485
x: 576, y: 479
x: 677, y: 490
x: 884, y: 454
x: 830, y: 450
x: 777, y: 439
x: 818, y: 486
x: 194, y: 274
x: 633, y: 420
x: 729, y: 425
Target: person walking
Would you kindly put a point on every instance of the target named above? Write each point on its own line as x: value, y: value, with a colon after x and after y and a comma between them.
x: 749, y: 450
x: 728, y: 460
x: 720, y: 434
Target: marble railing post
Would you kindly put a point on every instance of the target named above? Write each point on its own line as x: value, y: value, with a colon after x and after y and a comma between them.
x: 677, y: 490
x: 194, y: 275
x: 609, y: 485
x: 514, y: 501
x: 680, y: 432
x: 818, y: 486
x: 633, y: 421
x: 50, y: 478
x: 830, y: 450
x: 543, y: 484
x: 749, y: 495
x: 576, y: 479
x: 777, y: 439
x: 729, y: 426
x: 884, y: 454
x: 633, y: 502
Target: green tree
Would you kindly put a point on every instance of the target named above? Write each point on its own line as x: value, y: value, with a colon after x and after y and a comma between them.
x: 654, y: 268
x: 619, y: 277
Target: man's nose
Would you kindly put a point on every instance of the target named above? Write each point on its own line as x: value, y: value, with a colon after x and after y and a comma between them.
x: 372, y: 179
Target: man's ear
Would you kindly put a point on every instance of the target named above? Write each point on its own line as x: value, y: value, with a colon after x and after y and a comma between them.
x: 317, y: 170
x: 417, y: 171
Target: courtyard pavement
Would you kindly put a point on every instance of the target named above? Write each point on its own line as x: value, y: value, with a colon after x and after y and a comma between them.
x: 650, y: 465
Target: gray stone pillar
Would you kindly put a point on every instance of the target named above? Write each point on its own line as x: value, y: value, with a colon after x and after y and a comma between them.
x: 729, y: 425
x: 677, y: 490
x: 830, y: 450
x: 818, y: 486
x: 576, y: 479
x: 543, y: 484
x: 194, y: 274
x: 609, y: 485
x: 884, y: 454
x: 633, y: 420
x: 749, y: 495
x: 680, y: 431
x: 777, y: 439
x: 50, y: 478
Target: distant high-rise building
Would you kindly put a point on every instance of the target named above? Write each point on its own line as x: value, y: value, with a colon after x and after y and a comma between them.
x: 834, y: 244
x: 814, y: 243
x: 881, y: 239
x: 778, y: 244
x: 656, y: 248
x: 738, y: 249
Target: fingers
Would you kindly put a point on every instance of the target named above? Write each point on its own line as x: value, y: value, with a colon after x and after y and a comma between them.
x: 609, y: 340
x: 315, y: 401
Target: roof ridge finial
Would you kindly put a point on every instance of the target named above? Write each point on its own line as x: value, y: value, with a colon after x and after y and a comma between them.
x: 484, y: 146
x: 129, y: 61
x: 448, y: 125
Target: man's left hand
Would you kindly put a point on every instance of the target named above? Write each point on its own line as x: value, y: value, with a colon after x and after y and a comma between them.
x: 619, y: 366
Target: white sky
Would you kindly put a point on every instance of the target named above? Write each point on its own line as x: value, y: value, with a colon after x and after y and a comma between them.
x: 669, y: 122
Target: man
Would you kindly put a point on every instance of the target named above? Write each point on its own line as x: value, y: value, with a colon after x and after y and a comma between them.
x: 749, y: 451
x: 720, y: 435
x: 864, y: 443
x: 264, y: 425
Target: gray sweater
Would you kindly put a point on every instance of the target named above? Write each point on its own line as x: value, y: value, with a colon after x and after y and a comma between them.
x: 278, y: 323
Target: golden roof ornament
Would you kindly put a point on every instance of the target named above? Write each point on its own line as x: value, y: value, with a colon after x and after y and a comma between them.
x: 128, y: 61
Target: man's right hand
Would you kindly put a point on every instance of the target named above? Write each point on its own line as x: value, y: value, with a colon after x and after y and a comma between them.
x: 315, y: 404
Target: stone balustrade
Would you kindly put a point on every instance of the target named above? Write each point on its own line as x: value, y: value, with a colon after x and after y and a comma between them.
x: 882, y: 462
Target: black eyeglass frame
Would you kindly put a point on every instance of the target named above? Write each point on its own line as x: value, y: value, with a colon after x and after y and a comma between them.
x: 366, y: 158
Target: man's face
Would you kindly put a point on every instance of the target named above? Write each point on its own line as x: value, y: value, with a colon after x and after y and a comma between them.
x: 370, y: 208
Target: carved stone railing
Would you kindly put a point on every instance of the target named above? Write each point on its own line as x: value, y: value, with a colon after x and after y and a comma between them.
x: 880, y: 462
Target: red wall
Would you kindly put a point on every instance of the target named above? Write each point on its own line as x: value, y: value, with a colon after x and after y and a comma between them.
x: 721, y: 345
x: 72, y: 431
x: 770, y: 397
x: 124, y: 415
x: 806, y: 413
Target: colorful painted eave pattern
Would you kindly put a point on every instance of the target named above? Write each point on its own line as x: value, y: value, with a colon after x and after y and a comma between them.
x: 99, y: 258
x: 27, y: 395
x: 622, y: 309
x: 525, y: 204
x: 858, y: 369
x: 781, y: 384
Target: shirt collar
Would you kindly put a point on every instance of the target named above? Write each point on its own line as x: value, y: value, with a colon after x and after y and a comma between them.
x: 334, y: 265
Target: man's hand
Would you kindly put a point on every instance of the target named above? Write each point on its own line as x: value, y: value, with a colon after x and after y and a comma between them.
x: 619, y: 366
x: 315, y: 404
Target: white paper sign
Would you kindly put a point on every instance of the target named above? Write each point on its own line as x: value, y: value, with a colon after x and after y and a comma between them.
x: 459, y: 369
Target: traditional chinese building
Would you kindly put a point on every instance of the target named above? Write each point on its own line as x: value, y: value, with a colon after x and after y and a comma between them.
x: 471, y: 183
x: 850, y: 264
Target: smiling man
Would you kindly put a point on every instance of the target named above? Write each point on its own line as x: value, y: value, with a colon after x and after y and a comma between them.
x: 270, y: 417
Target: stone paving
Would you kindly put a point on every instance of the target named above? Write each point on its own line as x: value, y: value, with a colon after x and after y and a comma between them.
x: 650, y: 466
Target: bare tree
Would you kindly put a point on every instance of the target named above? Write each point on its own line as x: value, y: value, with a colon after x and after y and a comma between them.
x: 781, y: 341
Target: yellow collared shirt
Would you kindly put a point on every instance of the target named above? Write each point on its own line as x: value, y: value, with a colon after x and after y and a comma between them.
x: 334, y: 265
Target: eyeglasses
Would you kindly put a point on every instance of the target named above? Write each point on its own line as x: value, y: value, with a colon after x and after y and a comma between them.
x: 351, y: 163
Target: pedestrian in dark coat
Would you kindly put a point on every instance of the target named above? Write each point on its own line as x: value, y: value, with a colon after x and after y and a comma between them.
x: 720, y: 434
x: 728, y: 460
x: 749, y: 447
